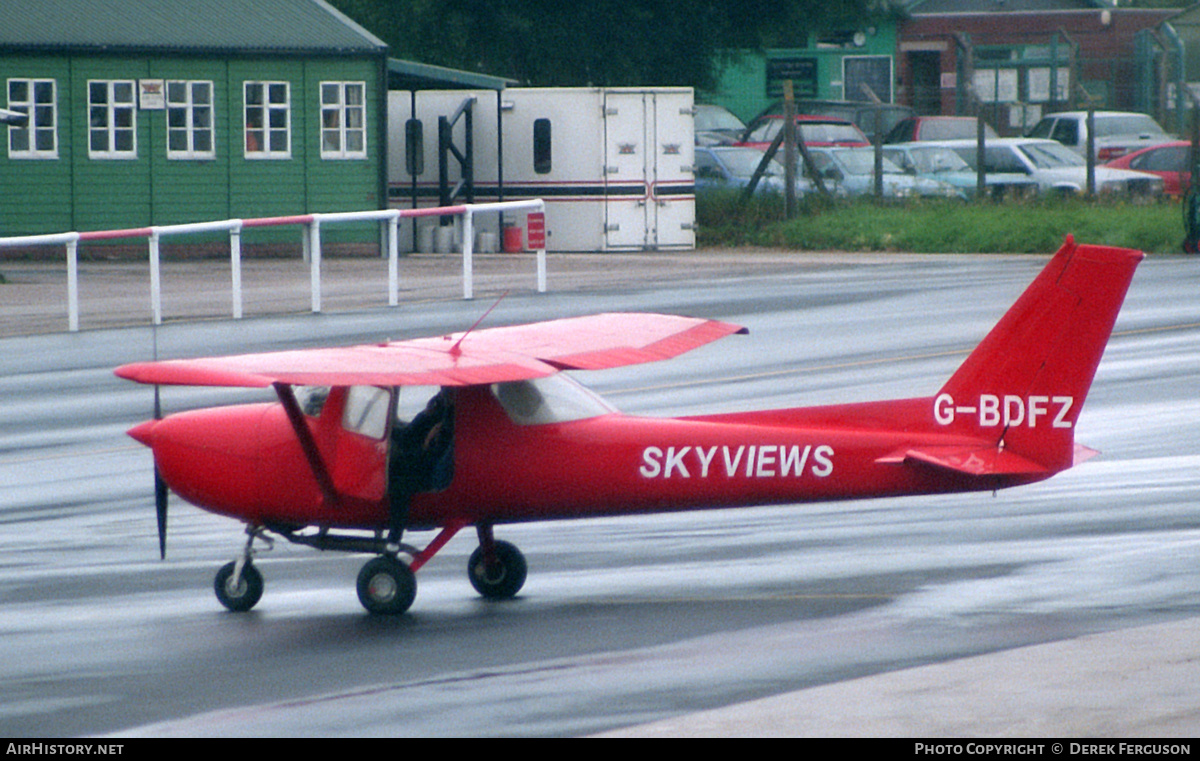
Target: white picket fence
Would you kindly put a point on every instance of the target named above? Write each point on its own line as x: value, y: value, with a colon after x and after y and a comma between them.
x: 389, y: 220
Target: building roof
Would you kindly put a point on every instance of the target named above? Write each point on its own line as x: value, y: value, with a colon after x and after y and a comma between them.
x: 945, y: 7
x: 410, y: 75
x: 196, y: 25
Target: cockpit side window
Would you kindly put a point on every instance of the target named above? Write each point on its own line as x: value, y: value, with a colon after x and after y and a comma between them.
x: 411, y: 400
x: 553, y: 399
x: 366, y: 411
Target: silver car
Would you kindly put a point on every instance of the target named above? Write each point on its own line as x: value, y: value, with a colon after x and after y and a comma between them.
x: 937, y: 162
x: 716, y: 125
x: 851, y: 172
x: 731, y: 166
x: 1116, y: 132
x: 1053, y: 166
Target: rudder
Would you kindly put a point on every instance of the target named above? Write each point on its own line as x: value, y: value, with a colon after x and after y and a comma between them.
x: 1023, y: 387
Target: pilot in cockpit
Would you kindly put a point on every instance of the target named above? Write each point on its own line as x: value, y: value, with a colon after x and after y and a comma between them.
x: 421, y: 458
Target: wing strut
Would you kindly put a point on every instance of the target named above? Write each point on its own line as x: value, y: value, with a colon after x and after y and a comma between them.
x: 296, y: 417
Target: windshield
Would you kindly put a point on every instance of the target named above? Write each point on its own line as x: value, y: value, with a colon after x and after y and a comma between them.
x: 954, y: 129
x: 710, y: 118
x: 1129, y: 124
x: 553, y: 399
x: 932, y: 160
x: 811, y: 132
x: 863, y: 162
x: 741, y: 162
x: 829, y: 133
x: 1051, y: 155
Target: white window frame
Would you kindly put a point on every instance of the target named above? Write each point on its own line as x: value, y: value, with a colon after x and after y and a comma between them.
x: 891, y: 78
x: 268, y: 113
x: 343, y: 121
x: 191, y: 117
x: 41, y: 119
x: 111, y: 108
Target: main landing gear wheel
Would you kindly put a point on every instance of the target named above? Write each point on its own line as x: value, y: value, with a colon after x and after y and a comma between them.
x: 501, y: 579
x: 386, y: 586
x: 242, y: 595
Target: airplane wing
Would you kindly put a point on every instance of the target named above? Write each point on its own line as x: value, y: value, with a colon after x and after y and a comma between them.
x: 485, y: 356
x: 601, y: 341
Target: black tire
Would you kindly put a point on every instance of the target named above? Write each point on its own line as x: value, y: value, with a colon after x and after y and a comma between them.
x: 386, y: 586
x: 504, y: 579
x: 246, y: 594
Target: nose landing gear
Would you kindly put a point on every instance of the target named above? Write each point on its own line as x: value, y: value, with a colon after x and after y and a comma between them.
x: 239, y: 585
x: 386, y: 584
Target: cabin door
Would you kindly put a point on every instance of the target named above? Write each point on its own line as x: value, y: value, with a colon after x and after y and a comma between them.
x: 360, y: 459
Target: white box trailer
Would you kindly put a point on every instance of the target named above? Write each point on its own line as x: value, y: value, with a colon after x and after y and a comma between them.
x: 614, y: 165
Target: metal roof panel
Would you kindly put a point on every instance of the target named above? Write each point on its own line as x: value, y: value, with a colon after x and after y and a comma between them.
x: 195, y: 25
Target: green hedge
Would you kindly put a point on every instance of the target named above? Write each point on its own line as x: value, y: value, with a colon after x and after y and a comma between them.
x: 939, y: 226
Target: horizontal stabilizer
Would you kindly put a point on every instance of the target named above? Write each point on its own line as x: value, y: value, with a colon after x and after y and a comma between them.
x: 979, y: 460
x: 1083, y: 454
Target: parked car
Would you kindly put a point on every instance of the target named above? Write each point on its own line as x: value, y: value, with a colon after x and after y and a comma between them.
x: 916, y: 128
x: 862, y: 114
x: 731, y: 166
x: 815, y: 131
x: 1117, y: 132
x: 937, y: 162
x: 851, y: 172
x: 1055, y: 167
x: 1170, y: 161
x: 716, y: 125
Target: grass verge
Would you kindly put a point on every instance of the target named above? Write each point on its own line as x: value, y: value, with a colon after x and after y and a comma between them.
x: 939, y: 226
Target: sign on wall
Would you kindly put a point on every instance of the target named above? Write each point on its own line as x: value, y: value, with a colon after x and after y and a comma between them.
x: 152, y: 94
x: 802, y: 72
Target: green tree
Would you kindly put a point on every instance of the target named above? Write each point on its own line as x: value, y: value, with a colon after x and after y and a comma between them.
x: 596, y: 42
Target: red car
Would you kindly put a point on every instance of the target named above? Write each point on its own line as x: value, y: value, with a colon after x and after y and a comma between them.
x: 1169, y: 161
x: 920, y: 128
x: 816, y: 131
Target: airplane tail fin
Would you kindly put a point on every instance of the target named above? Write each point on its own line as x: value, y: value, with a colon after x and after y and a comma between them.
x: 1022, y: 388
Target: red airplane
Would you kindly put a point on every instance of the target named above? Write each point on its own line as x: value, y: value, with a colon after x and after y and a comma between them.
x: 525, y: 443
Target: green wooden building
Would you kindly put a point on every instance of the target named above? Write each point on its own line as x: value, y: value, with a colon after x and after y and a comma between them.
x: 833, y: 65
x: 155, y: 112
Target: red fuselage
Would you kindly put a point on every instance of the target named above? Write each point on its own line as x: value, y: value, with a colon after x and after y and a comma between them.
x: 246, y: 462
x: 504, y: 436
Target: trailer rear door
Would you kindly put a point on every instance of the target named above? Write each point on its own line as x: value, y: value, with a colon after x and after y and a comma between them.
x: 648, y: 143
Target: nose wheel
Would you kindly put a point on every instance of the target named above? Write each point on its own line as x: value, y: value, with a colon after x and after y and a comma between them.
x: 238, y: 584
x: 238, y: 591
